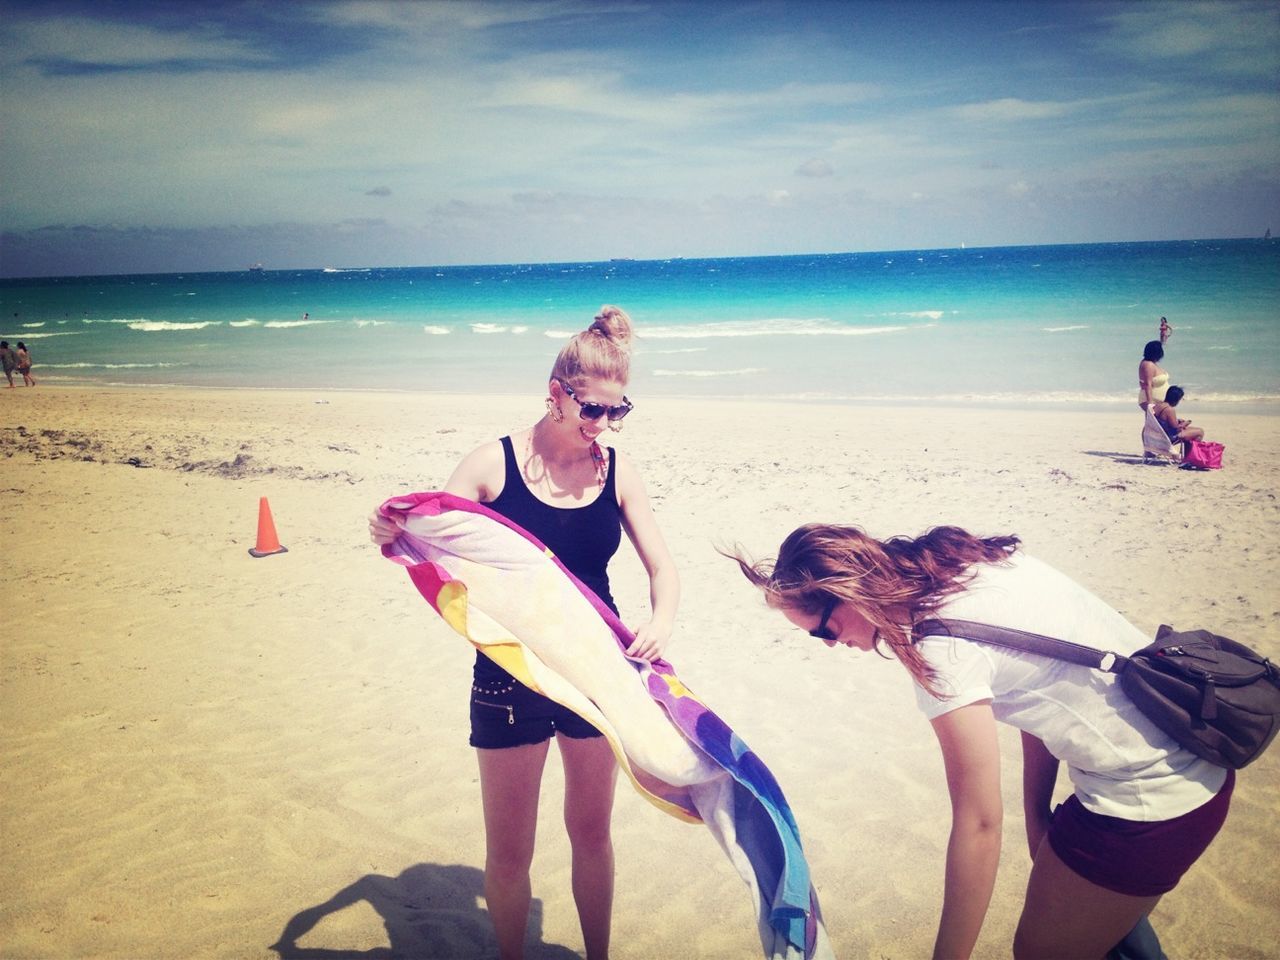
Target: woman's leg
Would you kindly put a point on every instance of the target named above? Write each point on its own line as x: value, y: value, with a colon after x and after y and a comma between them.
x: 1066, y: 916
x: 510, y: 779
x: 590, y: 774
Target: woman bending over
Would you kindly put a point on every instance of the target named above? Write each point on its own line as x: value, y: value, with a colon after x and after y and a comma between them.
x: 1142, y: 809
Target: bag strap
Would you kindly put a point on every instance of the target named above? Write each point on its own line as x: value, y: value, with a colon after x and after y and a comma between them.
x: 1052, y: 647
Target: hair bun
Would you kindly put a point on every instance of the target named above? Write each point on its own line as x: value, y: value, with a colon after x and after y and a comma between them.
x: 602, y: 351
x: 613, y: 324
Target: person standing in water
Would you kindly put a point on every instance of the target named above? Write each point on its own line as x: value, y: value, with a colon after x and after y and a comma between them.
x: 24, y: 364
x: 10, y: 361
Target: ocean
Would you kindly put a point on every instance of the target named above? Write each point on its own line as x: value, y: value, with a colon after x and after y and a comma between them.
x: 997, y: 325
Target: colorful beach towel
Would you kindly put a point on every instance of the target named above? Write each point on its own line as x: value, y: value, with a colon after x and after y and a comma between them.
x: 501, y: 589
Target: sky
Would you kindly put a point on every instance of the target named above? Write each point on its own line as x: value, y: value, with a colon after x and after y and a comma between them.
x: 158, y: 136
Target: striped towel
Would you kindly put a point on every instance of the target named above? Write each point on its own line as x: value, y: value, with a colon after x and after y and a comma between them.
x: 496, y: 585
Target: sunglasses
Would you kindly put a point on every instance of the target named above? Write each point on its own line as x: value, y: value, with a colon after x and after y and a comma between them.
x: 822, y: 631
x: 594, y: 411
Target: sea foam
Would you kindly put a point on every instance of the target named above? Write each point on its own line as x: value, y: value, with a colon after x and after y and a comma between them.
x: 776, y: 327
x: 152, y: 326
x: 107, y: 366
x: 40, y: 336
x: 497, y: 328
x: 741, y: 372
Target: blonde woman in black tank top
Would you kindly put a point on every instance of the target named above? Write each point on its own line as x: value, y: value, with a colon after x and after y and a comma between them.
x: 558, y: 481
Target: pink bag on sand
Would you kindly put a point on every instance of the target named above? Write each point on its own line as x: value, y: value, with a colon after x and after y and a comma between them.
x: 1204, y: 455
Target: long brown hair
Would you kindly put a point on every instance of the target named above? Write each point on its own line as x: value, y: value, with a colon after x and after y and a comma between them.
x: 894, y: 583
x: 602, y: 351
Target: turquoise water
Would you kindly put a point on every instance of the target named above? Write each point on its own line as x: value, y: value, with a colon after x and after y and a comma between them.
x: 999, y: 325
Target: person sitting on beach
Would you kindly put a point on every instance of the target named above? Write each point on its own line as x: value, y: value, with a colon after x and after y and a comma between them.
x: 1143, y: 808
x: 1179, y: 431
x: 1166, y: 331
x: 24, y: 364
x: 10, y: 360
x: 1153, y: 381
x: 555, y: 481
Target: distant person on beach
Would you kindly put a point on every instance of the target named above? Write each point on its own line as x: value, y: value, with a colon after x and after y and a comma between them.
x: 556, y: 481
x: 1179, y: 431
x: 1166, y: 331
x: 24, y: 364
x: 1153, y: 381
x: 10, y: 360
x: 1143, y: 808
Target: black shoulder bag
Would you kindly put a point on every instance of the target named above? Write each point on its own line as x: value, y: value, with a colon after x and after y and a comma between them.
x: 1215, y: 697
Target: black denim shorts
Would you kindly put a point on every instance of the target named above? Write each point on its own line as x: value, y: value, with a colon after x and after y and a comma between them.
x: 506, y: 713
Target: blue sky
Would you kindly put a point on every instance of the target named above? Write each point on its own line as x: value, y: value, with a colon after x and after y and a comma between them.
x: 141, y: 137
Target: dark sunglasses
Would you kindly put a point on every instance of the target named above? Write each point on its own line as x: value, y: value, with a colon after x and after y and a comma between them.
x: 822, y: 631
x: 594, y: 411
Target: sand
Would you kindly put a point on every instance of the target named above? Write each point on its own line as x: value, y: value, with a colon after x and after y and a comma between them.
x: 201, y: 749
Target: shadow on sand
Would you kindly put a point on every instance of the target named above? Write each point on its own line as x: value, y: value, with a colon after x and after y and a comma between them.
x: 1134, y: 460
x: 431, y: 912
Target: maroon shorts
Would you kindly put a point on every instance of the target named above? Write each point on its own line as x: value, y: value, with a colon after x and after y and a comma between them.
x: 1141, y: 859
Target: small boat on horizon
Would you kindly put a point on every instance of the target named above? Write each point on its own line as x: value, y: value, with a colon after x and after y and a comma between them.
x: 256, y: 268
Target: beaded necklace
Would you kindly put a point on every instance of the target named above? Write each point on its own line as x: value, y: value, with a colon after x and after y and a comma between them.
x: 598, y: 460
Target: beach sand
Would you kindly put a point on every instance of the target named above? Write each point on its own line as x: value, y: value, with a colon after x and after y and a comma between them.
x: 200, y: 747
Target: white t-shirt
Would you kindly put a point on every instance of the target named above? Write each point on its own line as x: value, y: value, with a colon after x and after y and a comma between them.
x: 1122, y: 765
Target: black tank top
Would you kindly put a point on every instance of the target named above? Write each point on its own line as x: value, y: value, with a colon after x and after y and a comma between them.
x: 583, y: 538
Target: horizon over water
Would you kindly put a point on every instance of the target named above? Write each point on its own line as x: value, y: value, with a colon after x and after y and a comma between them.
x: 1061, y: 324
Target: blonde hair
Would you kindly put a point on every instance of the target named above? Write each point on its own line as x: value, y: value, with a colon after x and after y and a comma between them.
x: 882, y: 579
x: 600, y: 352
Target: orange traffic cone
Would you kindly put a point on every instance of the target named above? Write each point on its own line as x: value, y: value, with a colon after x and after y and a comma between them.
x: 268, y: 542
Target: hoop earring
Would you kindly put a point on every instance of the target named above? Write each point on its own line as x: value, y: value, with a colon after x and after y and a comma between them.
x: 615, y: 426
x: 554, y: 411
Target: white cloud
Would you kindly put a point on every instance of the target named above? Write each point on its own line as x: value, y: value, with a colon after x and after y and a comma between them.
x: 103, y: 43
x: 1233, y: 38
x: 494, y: 124
x: 587, y: 89
x: 1009, y: 110
x: 436, y: 16
x: 296, y: 119
x: 815, y: 168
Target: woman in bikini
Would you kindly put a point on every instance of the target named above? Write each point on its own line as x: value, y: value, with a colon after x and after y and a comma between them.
x: 1153, y: 380
x: 24, y: 364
